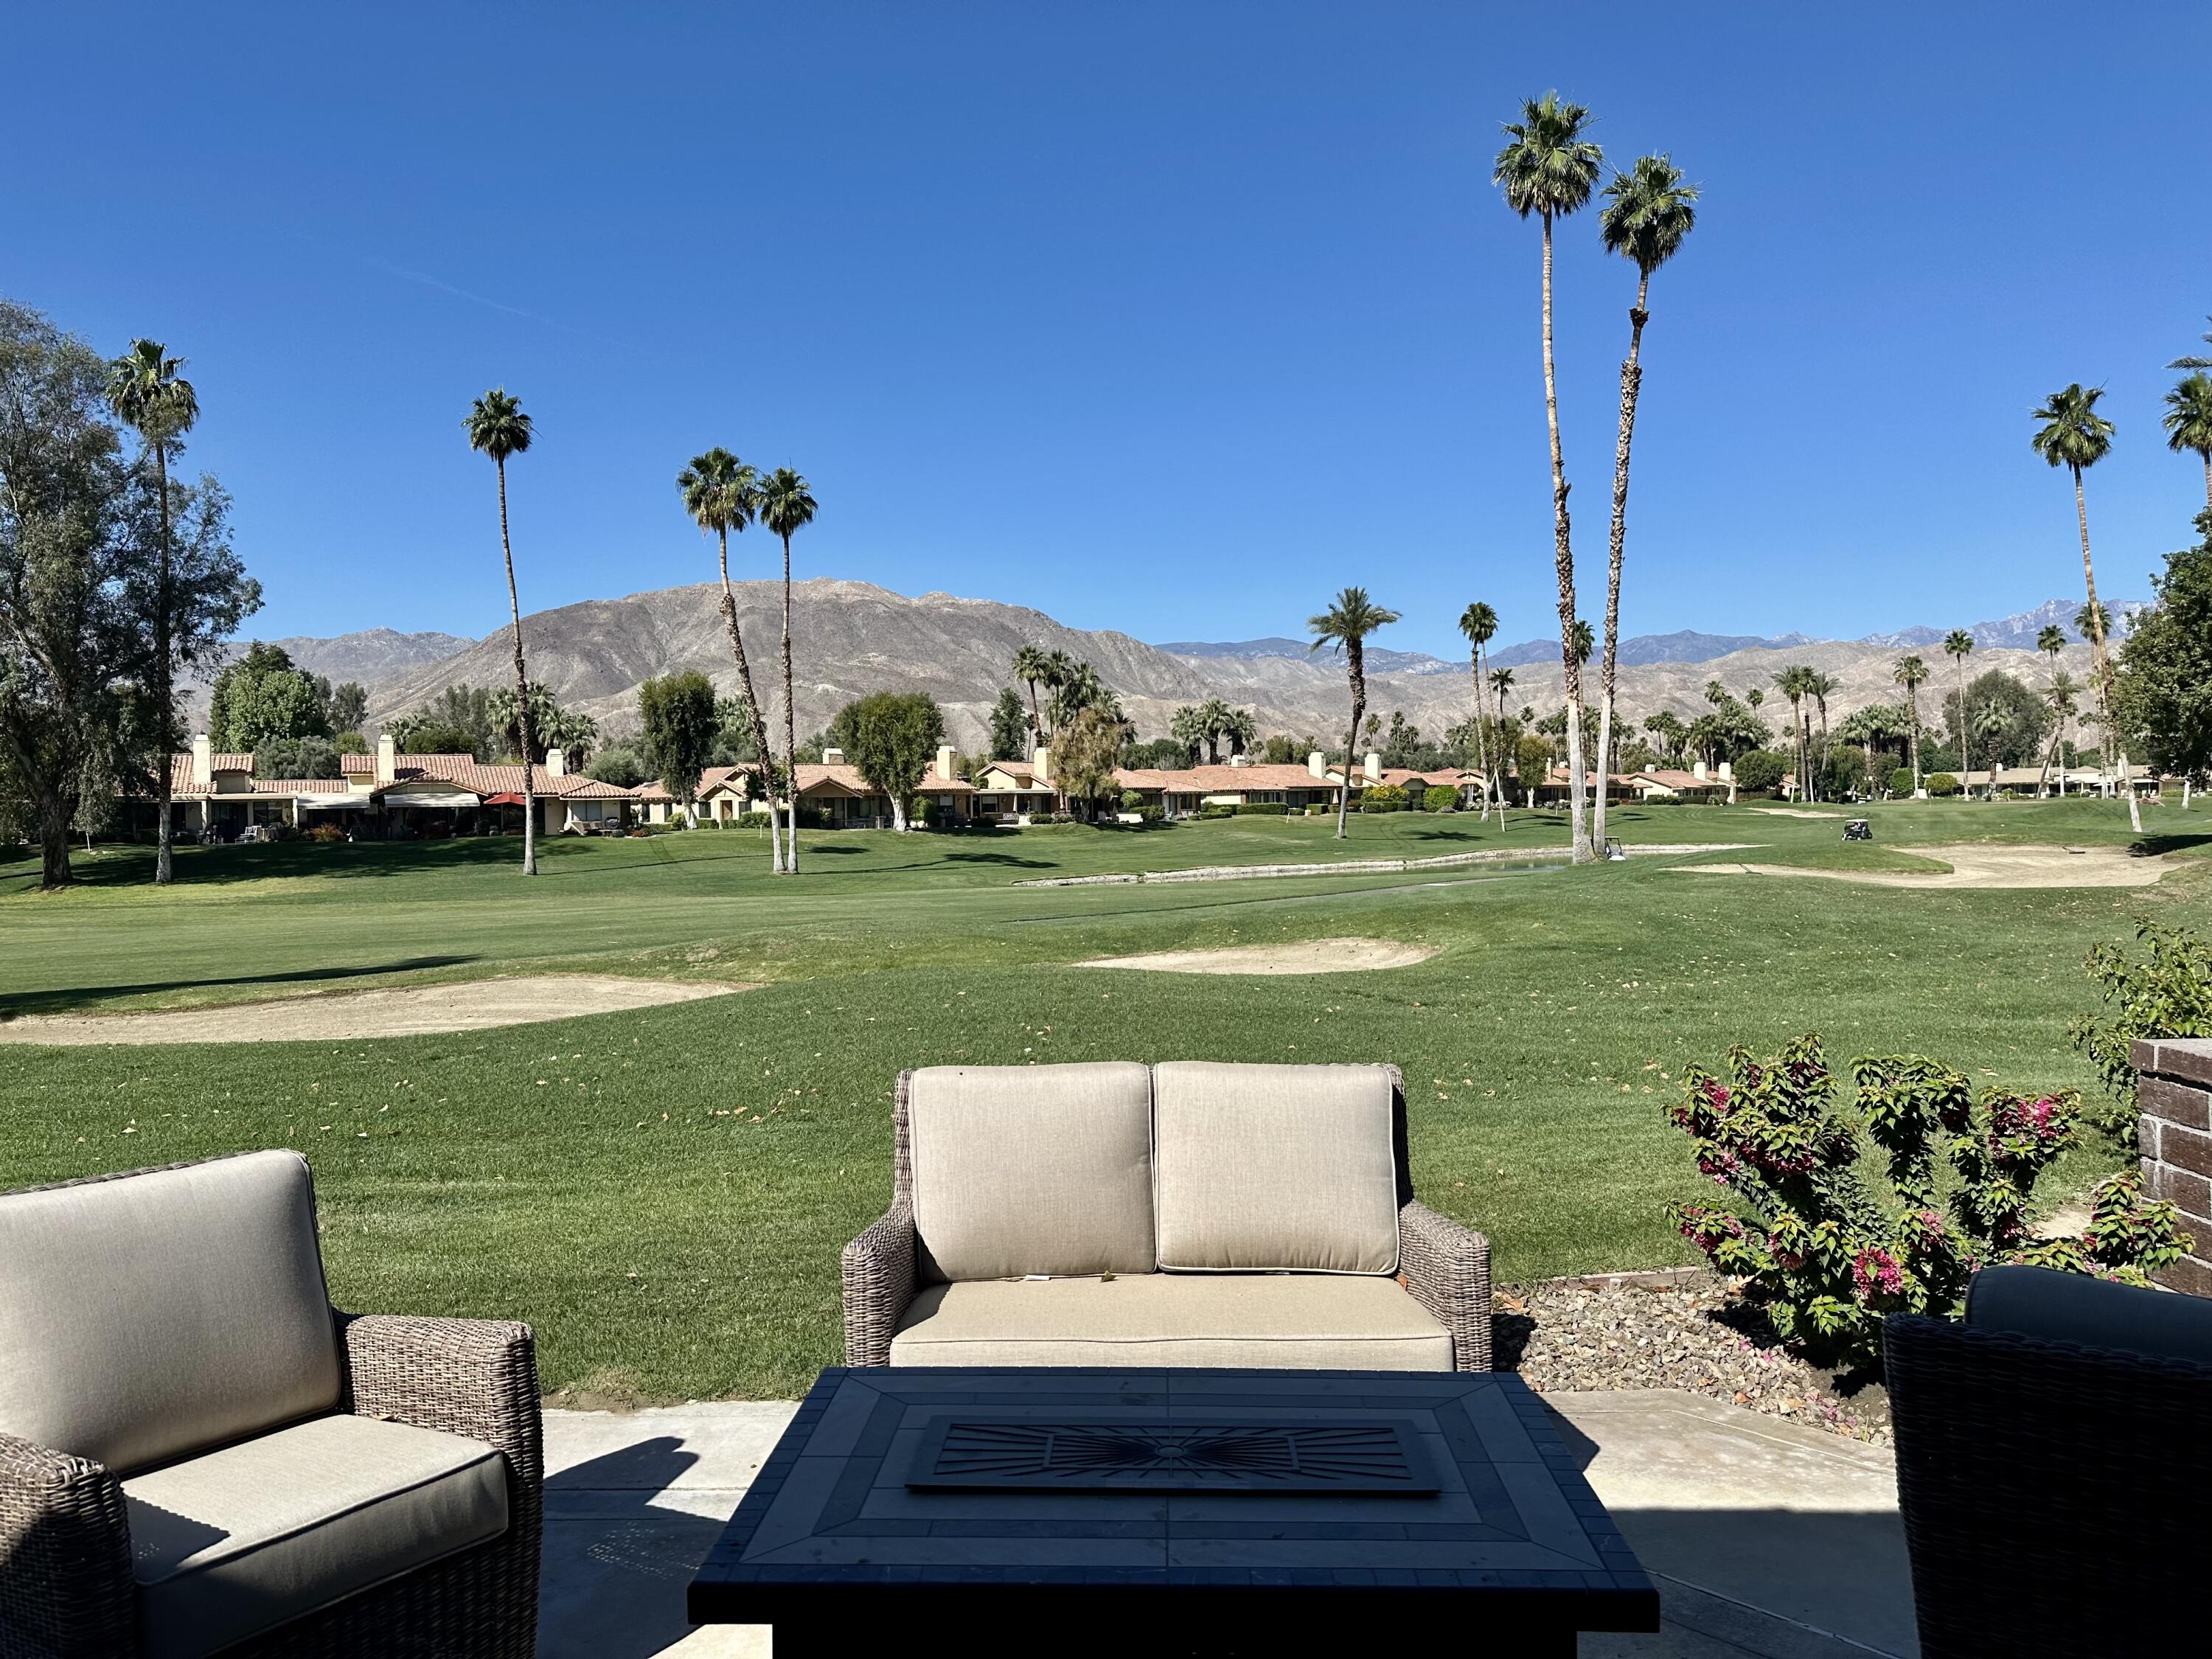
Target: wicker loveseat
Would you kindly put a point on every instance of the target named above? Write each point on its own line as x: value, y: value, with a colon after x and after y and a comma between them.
x: 1186, y: 1214
x: 197, y: 1454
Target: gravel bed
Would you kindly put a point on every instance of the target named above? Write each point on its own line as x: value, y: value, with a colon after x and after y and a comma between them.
x: 1686, y: 1331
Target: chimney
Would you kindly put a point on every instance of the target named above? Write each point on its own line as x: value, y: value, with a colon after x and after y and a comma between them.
x: 556, y: 762
x: 833, y: 757
x: 1239, y: 760
x: 1373, y: 766
x: 1317, y: 763
x: 944, y: 761
x: 203, y: 761
x: 1698, y: 772
x: 1727, y: 772
x: 387, y: 757
x: 1043, y: 763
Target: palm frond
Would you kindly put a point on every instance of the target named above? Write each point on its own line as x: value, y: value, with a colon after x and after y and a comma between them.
x: 497, y: 427
x: 1547, y: 166
x: 1649, y: 212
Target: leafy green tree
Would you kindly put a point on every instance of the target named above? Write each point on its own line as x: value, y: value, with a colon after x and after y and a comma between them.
x: 1009, y: 722
x: 348, y: 706
x: 678, y: 726
x: 497, y: 427
x: 1532, y: 761
x: 1088, y: 743
x: 1759, y: 771
x: 1547, y: 168
x: 2187, y: 422
x: 786, y: 506
x: 2072, y: 435
x: 262, y: 699
x: 1649, y: 213
x: 1344, y: 627
x: 621, y: 765
x: 1911, y: 673
x: 890, y: 738
x: 2021, y: 721
x: 2165, y: 684
x: 305, y: 757
x: 722, y: 495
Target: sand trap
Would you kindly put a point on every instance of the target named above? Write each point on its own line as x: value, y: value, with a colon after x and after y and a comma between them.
x: 1313, y: 955
x: 1796, y: 812
x: 1982, y: 868
x: 346, y: 1017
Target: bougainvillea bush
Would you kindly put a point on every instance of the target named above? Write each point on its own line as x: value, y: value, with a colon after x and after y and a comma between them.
x: 1828, y: 1252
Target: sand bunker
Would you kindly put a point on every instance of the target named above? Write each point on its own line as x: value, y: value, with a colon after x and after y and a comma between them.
x: 1313, y: 955
x: 345, y: 1016
x: 1982, y: 867
x: 1795, y: 812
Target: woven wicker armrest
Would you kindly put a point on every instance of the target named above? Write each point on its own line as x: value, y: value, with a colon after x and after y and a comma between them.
x: 65, y: 1586
x: 472, y: 1376
x: 878, y: 1269
x: 1447, y: 1267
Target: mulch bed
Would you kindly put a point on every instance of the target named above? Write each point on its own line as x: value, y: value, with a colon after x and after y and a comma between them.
x: 1674, y: 1330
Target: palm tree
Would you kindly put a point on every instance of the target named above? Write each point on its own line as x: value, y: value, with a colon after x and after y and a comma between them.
x: 1647, y: 213
x: 1480, y: 623
x: 1911, y: 673
x: 497, y: 427
x: 2195, y: 362
x: 1345, y: 626
x: 721, y: 493
x: 2051, y: 640
x: 151, y: 397
x: 1031, y: 665
x: 1549, y: 169
x: 1959, y: 645
x: 786, y: 507
x: 1790, y: 682
x: 1187, y: 728
x: 2074, y: 436
x: 1818, y: 686
x: 1059, y: 669
x: 2187, y: 422
x: 2064, y: 692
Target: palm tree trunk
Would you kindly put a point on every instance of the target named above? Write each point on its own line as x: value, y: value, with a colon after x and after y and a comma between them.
x: 522, y: 693
x: 2100, y: 664
x: 1632, y: 382
x: 1481, y: 746
x: 753, y: 704
x: 1912, y: 701
x: 164, y: 712
x: 1037, y: 724
x: 1358, y: 677
x: 1563, y: 559
x: 1965, y: 755
x: 790, y: 728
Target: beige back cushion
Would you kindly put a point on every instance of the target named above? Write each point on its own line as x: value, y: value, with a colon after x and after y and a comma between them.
x: 1032, y: 1169
x: 147, y: 1317
x: 1282, y: 1167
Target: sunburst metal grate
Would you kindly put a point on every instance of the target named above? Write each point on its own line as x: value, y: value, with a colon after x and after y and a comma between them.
x: 966, y: 1454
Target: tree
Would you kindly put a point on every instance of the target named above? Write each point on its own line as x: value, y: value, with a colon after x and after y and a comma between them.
x: 2074, y: 436
x: 1548, y: 168
x: 1239, y: 731
x: 2051, y: 640
x: 1480, y: 623
x: 2195, y: 362
x: 1033, y: 667
x: 151, y: 396
x: 2187, y: 422
x: 1758, y: 770
x: 678, y: 724
x: 2164, y: 686
x: 1532, y: 759
x: 722, y: 493
x: 621, y: 765
x: 736, y: 732
x: 1008, y: 722
x: 497, y: 427
x: 1186, y: 729
x: 786, y: 506
x: 1501, y: 682
x: 348, y: 706
x: 1345, y: 627
x: 1667, y: 727
x: 503, y: 716
x: 1076, y: 687
x: 1911, y: 673
x: 1649, y: 212
x: 1791, y: 683
x: 890, y: 738
x: 1818, y: 686
x: 1088, y: 743
x: 261, y: 699
x: 1959, y: 645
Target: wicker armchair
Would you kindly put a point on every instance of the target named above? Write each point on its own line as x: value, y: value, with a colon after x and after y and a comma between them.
x: 1443, y: 1267
x: 2053, y: 1456
x: 122, y: 1392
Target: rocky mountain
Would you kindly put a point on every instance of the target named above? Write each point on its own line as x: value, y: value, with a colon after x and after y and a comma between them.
x: 2012, y: 633
x: 1378, y: 660
x: 1636, y: 651
x: 371, y: 656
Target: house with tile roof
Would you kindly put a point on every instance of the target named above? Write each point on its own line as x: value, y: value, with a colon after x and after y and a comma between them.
x: 832, y: 794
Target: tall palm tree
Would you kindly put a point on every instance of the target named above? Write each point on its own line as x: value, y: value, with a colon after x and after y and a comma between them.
x: 1059, y: 668
x: 1818, y: 686
x: 2194, y: 361
x: 1911, y: 673
x: 2187, y: 422
x: 786, y: 507
x: 1345, y: 626
x: 1031, y: 666
x: 721, y: 493
x: 150, y: 395
x: 2074, y: 436
x: 2063, y: 696
x: 1959, y: 645
x: 497, y: 427
x: 1548, y: 168
x: 1480, y: 623
x: 2051, y: 640
x: 1649, y: 212
x: 1790, y: 682
x: 1501, y: 682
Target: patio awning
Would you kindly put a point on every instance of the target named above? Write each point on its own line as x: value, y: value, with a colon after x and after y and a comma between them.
x: 440, y: 798
x: 344, y: 798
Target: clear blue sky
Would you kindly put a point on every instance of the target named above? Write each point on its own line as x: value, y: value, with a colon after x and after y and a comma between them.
x: 1171, y: 317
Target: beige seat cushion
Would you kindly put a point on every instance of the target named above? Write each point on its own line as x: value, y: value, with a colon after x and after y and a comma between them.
x: 1032, y: 1169
x: 1291, y: 1322
x: 239, y: 1540
x: 1274, y: 1168
x: 149, y: 1317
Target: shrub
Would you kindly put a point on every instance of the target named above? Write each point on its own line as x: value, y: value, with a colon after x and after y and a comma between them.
x: 1314, y: 810
x: 325, y: 834
x: 752, y: 820
x: 1150, y: 815
x: 1900, y: 781
x: 1760, y: 769
x: 1131, y: 801
x: 1941, y: 783
x: 1826, y: 1253
x: 1261, y: 809
x: 1217, y: 808
x: 2169, y: 994
x: 1441, y: 798
x: 1383, y: 798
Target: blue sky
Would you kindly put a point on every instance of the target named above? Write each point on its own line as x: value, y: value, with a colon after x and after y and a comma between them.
x: 1171, y: 317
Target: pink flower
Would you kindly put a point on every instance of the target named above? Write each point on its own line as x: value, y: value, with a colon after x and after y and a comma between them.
x: 1877, y: 1272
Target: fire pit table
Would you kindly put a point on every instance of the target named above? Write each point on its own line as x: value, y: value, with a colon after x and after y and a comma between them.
x: 1084, y: 1511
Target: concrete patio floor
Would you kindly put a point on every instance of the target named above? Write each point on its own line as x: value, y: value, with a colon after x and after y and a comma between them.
x: 1766, y: 1538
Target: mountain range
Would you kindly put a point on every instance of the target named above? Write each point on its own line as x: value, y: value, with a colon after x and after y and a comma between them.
x: 850, y: 638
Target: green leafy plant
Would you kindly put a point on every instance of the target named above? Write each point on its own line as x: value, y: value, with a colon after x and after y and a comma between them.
x: 1441, y: 798
x: 1261, y: 808
x: 1828, y: 1252
x: 1383, y: 798
x: 1941, y: 784
x: 2166, y: 993
x: 1900, y: 780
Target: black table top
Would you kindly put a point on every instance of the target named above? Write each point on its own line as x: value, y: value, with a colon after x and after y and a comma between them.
x: 899, y: 1492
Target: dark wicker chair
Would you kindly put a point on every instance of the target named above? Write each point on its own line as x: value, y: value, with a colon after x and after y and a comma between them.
x: 2054, y: 1491
x: 67, y: 1585
x: 1445, y: 1266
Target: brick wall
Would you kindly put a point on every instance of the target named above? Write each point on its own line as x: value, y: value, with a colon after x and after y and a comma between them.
x: 2173, y: 1124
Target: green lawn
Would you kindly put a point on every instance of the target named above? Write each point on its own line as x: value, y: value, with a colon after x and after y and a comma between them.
x: 662, y: 1193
